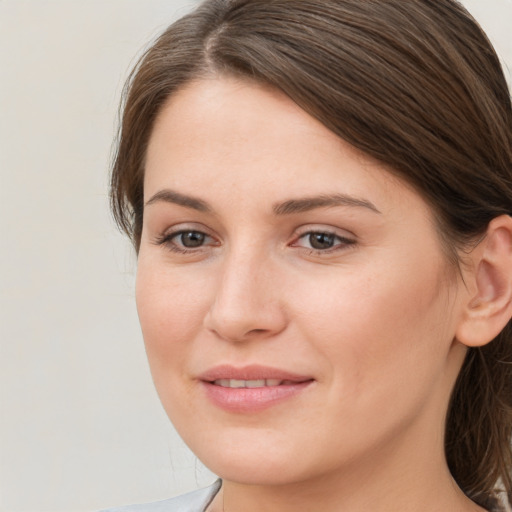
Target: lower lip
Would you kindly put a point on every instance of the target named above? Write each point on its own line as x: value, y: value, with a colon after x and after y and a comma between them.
x: 252, y: 399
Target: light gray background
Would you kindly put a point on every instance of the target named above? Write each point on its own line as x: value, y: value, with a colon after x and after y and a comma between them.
x: 81, y: 427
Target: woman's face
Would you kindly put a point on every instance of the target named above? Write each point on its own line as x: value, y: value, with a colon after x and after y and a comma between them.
x: 296, y: 305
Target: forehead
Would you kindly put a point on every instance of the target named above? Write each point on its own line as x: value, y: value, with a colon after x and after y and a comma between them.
x: 227, y: 138
x: 225, y: 115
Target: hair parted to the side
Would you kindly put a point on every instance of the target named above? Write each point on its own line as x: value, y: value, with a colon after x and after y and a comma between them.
x: 416, y: 85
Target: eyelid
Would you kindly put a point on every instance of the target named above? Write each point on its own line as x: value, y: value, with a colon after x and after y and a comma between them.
x: 187, y: 226
x: 345, y: 238
x: 323, y: 228
x: 166, y: 238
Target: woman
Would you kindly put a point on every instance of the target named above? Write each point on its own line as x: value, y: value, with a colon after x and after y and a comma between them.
x: 319, y: 192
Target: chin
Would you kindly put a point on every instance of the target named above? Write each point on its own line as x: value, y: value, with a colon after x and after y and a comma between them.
x: 251, y: 457
x: 248, y: 472
x: 267, y: 456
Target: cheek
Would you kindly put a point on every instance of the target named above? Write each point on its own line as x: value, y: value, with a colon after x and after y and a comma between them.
x: 382, y: 331
x: 171, y: 311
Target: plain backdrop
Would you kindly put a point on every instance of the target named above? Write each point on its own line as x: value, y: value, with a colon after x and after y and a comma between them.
x: 81, y: 427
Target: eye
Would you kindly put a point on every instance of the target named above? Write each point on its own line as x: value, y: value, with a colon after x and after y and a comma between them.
x: 185, y: 240
x: 323, y: 241
x: 189, y: 239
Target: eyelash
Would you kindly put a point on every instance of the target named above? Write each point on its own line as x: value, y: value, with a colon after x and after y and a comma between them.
x: 167, y: 240
x: 340, y: 242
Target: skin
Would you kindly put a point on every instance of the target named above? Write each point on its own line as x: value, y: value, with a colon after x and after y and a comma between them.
x: 372, y: 319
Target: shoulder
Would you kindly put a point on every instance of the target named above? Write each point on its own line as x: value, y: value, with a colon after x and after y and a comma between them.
x: 195, y: 501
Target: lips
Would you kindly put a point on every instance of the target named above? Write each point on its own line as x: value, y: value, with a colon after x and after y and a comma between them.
x: 251, y: 373
x: 257, y: 383
x: 251, y: 388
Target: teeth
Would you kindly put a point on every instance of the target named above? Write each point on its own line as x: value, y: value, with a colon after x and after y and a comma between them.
x: 254, y: 383
x: 235, y: 383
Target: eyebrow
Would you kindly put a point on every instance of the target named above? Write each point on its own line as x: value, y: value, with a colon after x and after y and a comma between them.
x: 170, y: 196
x: 285, y: 208
x: 323, y: 201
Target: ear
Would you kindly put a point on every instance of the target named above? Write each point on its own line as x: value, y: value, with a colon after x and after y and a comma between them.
x: 488, y: 305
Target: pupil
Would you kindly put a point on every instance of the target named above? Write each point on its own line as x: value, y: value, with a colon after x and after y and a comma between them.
x: 192, y: 239
x: 321, y: 240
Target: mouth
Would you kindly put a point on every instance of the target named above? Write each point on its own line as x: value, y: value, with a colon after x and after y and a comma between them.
x: 251, y: 388
x: 258, y: 383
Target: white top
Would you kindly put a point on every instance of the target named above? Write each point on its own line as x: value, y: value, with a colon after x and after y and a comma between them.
x: 195, y: 501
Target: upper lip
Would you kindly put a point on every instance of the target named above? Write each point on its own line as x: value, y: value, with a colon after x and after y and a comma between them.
x: 251, y: 372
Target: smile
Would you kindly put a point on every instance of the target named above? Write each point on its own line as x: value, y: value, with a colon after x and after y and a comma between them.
x: 251, y: 389
x: 260, y: 383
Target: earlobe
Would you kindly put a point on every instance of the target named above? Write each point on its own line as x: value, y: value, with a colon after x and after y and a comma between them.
x: 489, y: 305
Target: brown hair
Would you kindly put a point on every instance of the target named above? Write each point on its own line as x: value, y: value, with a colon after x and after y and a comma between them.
x: 415, y: 84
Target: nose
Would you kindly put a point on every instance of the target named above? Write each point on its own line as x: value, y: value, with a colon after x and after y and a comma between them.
x: 246, y: 303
